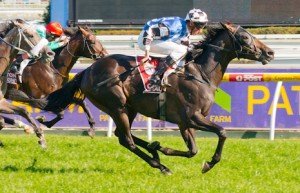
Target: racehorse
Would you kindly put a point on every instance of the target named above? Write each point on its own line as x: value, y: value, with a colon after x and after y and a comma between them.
x: 19, y: 38
x: 114, y: 85
x: 41, y: 78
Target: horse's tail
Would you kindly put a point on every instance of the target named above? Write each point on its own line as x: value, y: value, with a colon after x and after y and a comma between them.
x: 60, y: 99
x: 20, y: 96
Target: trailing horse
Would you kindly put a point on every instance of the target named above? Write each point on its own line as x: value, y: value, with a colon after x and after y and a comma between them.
x: 19, y: 37
x: 42, y: 78
x: 115, y: 86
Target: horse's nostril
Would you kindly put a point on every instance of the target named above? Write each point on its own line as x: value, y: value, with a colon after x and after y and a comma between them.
x: 270, y: 54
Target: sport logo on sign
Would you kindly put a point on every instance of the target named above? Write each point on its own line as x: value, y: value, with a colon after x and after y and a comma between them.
x: 246, y: 77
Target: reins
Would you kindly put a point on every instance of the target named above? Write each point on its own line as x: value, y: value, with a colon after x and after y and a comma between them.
x: 238, y: 51
x: 18, y: 47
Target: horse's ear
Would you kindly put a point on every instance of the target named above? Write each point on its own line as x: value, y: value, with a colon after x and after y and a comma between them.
x: 16, y: 23
x: 224, y: 25
x: 83, y: 31
x: 228, y: 26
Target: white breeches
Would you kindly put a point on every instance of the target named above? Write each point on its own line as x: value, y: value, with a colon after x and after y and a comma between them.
x: 175, y: 50
x: 23, y: 65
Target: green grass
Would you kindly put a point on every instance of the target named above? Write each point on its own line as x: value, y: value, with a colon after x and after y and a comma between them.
x: 79, y: 164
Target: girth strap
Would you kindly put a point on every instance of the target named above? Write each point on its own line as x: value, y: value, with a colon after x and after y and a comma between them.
x: 162, y: 106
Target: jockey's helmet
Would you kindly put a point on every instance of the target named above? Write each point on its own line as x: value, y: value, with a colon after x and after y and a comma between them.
x: 198, y: 17
x: 54, y: 28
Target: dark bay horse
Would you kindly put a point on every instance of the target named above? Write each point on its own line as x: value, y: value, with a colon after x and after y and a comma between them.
x: 40, y: 79
x: 188, y: 100
x: 19, y: 37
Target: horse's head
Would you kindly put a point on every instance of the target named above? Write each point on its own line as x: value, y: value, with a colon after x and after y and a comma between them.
x: 90, y: 47
x: 22, y: 36
x: 19, y: 38
x: 247, y: 46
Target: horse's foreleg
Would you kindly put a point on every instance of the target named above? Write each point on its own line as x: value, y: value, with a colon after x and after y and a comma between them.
x: 2, y: 123
x: 198, y: 121
x: 19, y: 124
x: 91, y: 130
x: 49, y: 124
x: 8, y: 108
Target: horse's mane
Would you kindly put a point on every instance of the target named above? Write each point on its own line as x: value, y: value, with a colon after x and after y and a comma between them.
x: 5, y: 27
x: 212, y: 32
x: 70, y: 31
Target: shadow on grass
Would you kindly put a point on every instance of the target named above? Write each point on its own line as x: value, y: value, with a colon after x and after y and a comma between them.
x: 1, y: 144
x: 35, y: 169
x: 249, y: 135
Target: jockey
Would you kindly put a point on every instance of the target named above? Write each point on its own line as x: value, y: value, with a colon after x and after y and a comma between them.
x: 52, y: 35
x: 170, y: 36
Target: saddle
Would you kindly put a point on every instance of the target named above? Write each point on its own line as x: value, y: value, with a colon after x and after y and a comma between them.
x: 149, y: 69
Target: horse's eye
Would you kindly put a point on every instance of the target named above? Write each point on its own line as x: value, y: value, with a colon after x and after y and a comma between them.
x: 245, y: 37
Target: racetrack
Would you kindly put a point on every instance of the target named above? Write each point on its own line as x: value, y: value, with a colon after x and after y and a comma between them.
x: 79, y: 164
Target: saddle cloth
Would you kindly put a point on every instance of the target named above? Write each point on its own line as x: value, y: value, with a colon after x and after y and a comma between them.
x: 147, y: 70
x: 11, y: 78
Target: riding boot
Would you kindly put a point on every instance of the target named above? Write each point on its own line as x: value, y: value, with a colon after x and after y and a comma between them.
x: 155, y: 78
x: 15, y: 66
x: 163, y: 66
x: 19, y: 78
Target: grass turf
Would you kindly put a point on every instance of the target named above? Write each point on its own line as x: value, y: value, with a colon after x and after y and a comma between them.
x: 79, y: 164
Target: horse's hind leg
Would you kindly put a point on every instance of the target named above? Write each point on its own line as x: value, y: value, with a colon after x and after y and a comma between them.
x: 2, y: 125
x: 198, y: 121
x: 188, y: 134
x: 140, y: 142
x: 91, y: 130
x: 6, y: 107
x: 125, y: 139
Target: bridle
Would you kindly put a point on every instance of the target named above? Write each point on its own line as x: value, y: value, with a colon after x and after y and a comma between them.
x: 238, y: 45
x: 18, y: 47
x: 239, y: 49
x: 88, y: 46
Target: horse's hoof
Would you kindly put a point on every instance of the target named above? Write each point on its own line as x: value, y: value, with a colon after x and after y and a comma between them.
x: 41, y: 119
x: 155, y: 145
x: 28, y: 129
x: 91, y: 133
x: 43, y: 144
x: 206, y: 167
x: 166, y: 172
x: 44, y: 127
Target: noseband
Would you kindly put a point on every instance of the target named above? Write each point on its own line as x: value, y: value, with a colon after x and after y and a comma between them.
x: 242, y: 49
